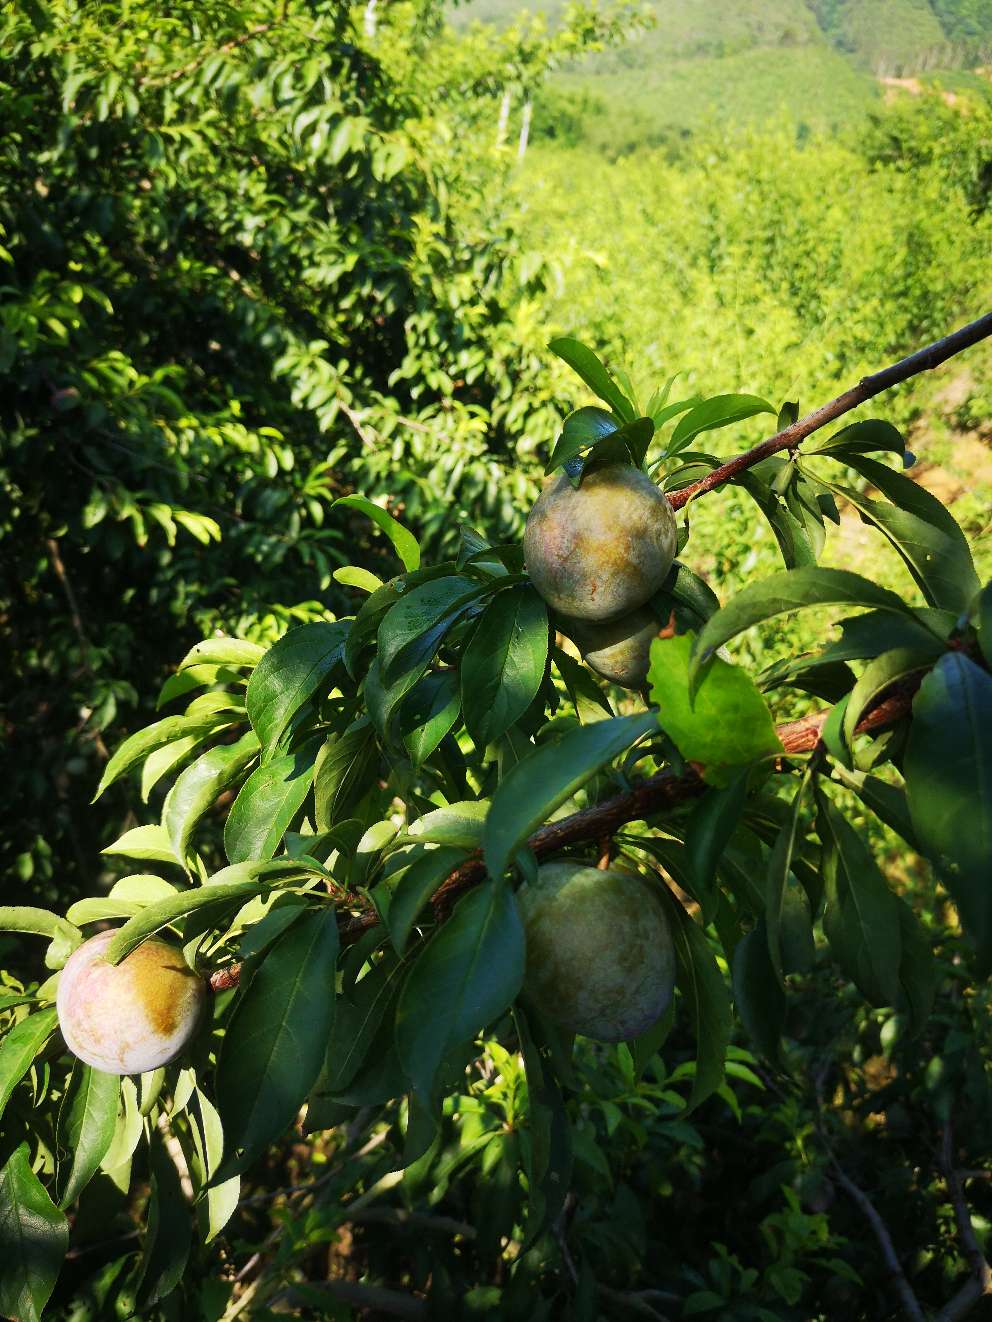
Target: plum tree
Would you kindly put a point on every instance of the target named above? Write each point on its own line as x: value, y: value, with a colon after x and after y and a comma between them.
x: 619, y: 650
x: 600, y: 957
x: 133, y: 1016
x: 600, y: 550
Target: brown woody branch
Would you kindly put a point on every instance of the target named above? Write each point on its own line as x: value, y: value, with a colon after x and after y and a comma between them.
x: 980, y: 1284
x: 656, y: 794
x: 869, y: 386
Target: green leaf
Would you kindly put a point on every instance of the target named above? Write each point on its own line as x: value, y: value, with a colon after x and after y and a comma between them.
x: 345, y: 771
x: 581, y: 429
x: 587, y: 365
x: 415, y: 887
x: 86, y: 1124
x: 353, y: 576
x: 918, y: 526
x: 887, y: 802
x: 127, y: 1133
x: 152, y: 737
x: 727, y: 725
x: 19, y: 1047
x: 38, y: 922
x: 709, y: 828
x: 275, y: 1042
x: 627, y: 445
x: 720, y: 411
x: 34, y: 1239
x: 460, y: 824
x: 948, y: 770
x: 169, y: 1234
x: 468, y: 974
x: 685, y: 591
x: 866, y: 437
x: 145, y: 842
x: 794, y: 589
x: 779, y: 867
x: 290, y: 673
x: 404, y: 542
x: 428, y: 712
x: 267, y: 803
x: 421, y: 617
x: 549, y: 776
x: 167, y: 759
x: 235, y: 652
x: 918, y: 974
x: 705, y: 996
x: 879, y: 674
x: 861, y: 920
x: 196, y: 790
x: 220, y: 1201
x: 758, y: 992
x: 156, y: 916
x: 984, y: 622
x: 504, y: 663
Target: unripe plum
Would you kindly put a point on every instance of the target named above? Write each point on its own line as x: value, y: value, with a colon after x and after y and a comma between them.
x: 600, y: 957
x: 619, y: 650
x: 133, y: 1016
x: 600, y: 550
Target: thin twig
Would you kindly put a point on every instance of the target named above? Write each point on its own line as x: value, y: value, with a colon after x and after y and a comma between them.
x: 869, y: 386
x: 980, y: 1284
x: 867, y: 1208
x: 77, y: 624
x: 378, y: 1300
x: 259, y: 30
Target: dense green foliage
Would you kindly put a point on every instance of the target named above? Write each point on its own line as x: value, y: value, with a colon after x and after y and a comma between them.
x: 255, y: 260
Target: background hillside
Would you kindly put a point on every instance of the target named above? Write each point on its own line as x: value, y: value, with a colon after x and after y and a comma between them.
x: 823, y: 63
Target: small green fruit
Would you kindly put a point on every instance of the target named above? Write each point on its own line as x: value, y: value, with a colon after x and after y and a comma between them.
x: 619, y: 650
x: 600, y: 957
x: 130, y: 1017
x: 600, y: 550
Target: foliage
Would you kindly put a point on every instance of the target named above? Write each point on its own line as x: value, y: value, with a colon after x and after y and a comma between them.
x: 277, y: 301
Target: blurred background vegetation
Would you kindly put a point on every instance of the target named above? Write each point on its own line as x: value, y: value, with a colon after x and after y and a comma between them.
x: 254, y: 256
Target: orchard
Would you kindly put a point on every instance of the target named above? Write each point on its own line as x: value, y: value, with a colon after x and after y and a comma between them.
x: 424, y: 836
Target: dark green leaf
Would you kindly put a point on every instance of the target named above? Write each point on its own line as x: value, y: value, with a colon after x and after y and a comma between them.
x: 581, y: 429
x: 861, y: 920
x: 705, y: 996
x: 504, y: 663
x: 720, y: 411
x: 887, y: 802
x: 34, y: 1239
x: 169, y: 1234
x: 19, y: 1047
x: 86, y: 1124
x: 867, y: 437
x: 779, y: 867
x: 404, y: 542
x: 879, y: 674
x: 539, y: 784
x: 682, y: 588
x: 758, y: 992
x: 726, y: 725
x: 792, y: 590
x: 420, y: 618
x: 984, y: 622
x: 917, y: 968
x: 428, y: 712
x: 711, y: 824
x: 267, y: 803
x: 466, y: 976
x: 948, y: 769
x: 291, y: 672
x: 276, y: 1039
x: 585, y: 364
x: 345, y: 772
x: 415, y: 887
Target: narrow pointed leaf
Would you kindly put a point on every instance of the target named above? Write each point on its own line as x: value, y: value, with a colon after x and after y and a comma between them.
x: 404, y: 542
x: 294, y: 670
x: 34, y: 1239
x: 86, y: 1124
x: 587, y: 365
x: 504, y: 663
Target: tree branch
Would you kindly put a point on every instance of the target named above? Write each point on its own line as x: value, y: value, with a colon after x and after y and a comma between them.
x: 656, y: 794
x: 869, y: 386
x: 980, y: 1284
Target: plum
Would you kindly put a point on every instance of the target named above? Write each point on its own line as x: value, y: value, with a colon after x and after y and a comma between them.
x: 619, y: 650
x: 133, y: 1016
x: 600, y: 550
x: 600, y: 956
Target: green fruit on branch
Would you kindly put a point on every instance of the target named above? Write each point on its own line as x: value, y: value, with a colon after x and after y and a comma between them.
x: 133, y: 1016
x: 600, y: 957
x: 600, y: 550
x: 619, y: 650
